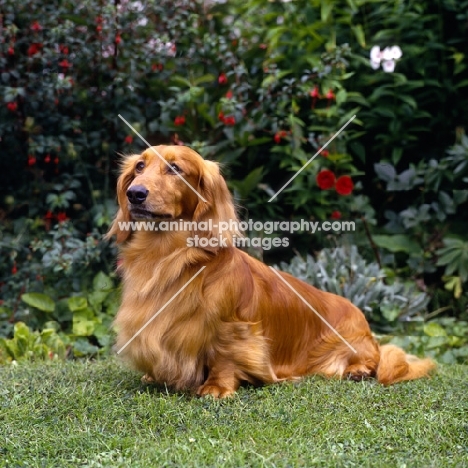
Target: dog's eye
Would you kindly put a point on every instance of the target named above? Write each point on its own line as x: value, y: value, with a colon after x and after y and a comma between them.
x: 140, y: 166
x: 174, y: 168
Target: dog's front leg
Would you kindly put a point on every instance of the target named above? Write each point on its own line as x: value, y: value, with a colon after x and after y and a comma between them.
x: 221, y: 382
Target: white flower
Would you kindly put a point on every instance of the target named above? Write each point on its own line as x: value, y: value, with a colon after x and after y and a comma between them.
x: 388, y: 66
x: 385, y: 57
x: 137, y: 6
x: 396, y: 52
x: 375, y: 54
x: 387, y: 54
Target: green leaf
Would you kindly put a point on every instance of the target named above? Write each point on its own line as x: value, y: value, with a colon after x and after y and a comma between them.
x: 77, y: 19
x: 39, y: 301
x: 326, y: 9
x: 102, y: 282
x: 83, y: 327
x: 397, y: 243
x: 77, y: 303
x: 359, y: 33
x: 96, y: 298
x: 208, y: 78
x: 434, y: 329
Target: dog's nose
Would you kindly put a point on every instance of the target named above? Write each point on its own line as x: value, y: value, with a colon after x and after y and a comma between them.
x: 137, y: 194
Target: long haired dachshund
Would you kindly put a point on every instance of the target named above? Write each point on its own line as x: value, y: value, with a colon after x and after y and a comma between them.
x: 236, y: 320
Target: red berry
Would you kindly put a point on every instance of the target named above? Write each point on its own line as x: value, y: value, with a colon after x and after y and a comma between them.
x: 34, y: 49
x: 62, y: 216
x: 222, y: 79
x: 230, y: 121
x: 35, y: 26
x: 12, y: 106
x: 179, y: 120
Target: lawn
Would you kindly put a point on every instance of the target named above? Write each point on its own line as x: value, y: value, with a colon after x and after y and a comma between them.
x: 93, y: 414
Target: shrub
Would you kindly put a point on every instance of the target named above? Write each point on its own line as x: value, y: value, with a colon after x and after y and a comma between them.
x: 345, y: 272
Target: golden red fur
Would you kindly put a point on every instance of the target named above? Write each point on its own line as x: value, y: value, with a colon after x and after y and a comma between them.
x: 236, y: 321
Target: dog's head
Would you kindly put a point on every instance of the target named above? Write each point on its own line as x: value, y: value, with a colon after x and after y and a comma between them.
x: 167, y: 183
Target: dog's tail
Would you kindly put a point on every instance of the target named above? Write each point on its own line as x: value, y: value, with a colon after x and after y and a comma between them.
x: 395, y: 365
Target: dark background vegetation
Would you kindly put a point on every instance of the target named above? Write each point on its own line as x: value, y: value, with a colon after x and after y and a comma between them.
x: 259, y: 86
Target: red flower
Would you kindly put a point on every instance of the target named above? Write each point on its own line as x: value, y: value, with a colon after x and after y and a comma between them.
x: 325, y: 179
x: 128, y: 139
x: 99, y: 28
x: 179, y: 120
x: 230, y: 121
x: 336, y: 215
x: 12, y: 106
x: 65, y: 63
x: 14, y: 269
x: 48, y: 216
x: 325, y: 153
x: 11, y: 50
x: 47, y: 159
x: 344, y: 185
x: 31, y: 160
x: 98, y: 19
x: 221, y: 116
x: 222, y: 79
x: 56, y: 160
x: 229, y: 94
x: 64, y: 49
x: 62, y: 216
x: 35, y: 26
x: 118, y: 39
x: 34, y: 49
x: 315, y: 92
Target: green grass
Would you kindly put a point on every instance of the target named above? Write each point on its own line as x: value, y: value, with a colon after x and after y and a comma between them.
x: 99, y: 414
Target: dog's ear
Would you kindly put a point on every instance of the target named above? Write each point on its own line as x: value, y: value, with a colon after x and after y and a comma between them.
x: 117, y: 227
x: 216, y: 217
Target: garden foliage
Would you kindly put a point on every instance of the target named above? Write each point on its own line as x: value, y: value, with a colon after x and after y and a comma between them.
x: 259, y: 86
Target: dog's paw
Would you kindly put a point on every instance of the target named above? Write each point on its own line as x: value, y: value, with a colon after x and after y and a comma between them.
x: 215, y: 391
x: 358, y: 376
x: 147, y: 379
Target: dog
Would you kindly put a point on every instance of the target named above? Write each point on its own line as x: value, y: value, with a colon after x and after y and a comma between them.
x: 206, y: 319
